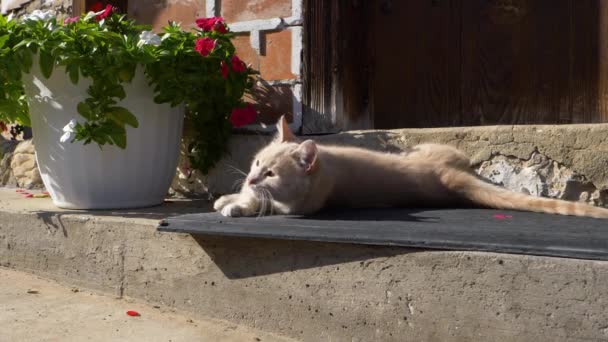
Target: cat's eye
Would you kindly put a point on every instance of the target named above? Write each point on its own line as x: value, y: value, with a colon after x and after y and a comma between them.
x: 269, y: 174
x: 257, y: 162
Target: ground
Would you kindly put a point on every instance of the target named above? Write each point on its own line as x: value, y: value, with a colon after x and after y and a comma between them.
x: 37, y: 309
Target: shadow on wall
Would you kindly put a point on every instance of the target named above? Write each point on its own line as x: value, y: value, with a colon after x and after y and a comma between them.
x: 272, y: 101
x: 240, y: 258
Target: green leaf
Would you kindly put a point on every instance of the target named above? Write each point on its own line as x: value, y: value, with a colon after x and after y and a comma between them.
x: 27, y: 42
x: 85, y: 110
x: 127, y: 73
x: 118, y: 135
x: 120, y: 139
x: 72, y: 69
x: 26, y: 60
x: 46, y: 63
x: 123, y: 116
x: 3, y: 40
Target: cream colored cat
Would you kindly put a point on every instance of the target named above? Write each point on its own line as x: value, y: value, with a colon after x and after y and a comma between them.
x: 293, y: 177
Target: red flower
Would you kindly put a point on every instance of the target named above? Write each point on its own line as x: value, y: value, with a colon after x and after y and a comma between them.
x: 204, y: 46
x: 238, y: 65
x: 225, y: 69
x: 70, y: 20
x: 220, y: 26
x: 3, y: 127
x: 242, y: 116
x: 206, y: 24
x: 106, y: 12
x: 213, y: 23
x: 96, y: 7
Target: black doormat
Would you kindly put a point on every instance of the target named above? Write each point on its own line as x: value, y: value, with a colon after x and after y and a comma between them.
x: 447, y: 229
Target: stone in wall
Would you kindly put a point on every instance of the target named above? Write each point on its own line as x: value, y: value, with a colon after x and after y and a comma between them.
x: 61, y: 7
x: 19, y: 168
x: 541, y: 176
x: 187, y: 182
x: 6, y: 154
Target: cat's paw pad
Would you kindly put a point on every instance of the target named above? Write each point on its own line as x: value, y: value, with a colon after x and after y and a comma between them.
x: 220, y: 203
x: 232, y: 210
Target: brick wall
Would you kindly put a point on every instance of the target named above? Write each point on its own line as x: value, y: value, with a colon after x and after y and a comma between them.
x: 268, y: 38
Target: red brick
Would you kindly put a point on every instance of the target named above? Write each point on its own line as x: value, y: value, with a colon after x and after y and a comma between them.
x: 245, y: 10
x: 276, y: 63
x: 159, y: 12
x: 245, y: 51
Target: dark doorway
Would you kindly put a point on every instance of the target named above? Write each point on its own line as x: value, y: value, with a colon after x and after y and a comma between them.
x: 436, y: 63
x: 81, y: 6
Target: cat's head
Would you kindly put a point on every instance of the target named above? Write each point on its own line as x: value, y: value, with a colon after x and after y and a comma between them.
x: 285, y: 167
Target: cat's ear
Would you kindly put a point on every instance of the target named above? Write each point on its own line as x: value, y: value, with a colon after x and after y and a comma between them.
x: 307, y: 153
x: 284, y: 133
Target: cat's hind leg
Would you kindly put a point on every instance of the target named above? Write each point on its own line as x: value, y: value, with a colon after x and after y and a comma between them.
x: 438, y: 153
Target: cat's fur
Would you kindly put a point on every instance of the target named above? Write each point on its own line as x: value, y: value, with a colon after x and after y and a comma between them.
x: 293, y: 177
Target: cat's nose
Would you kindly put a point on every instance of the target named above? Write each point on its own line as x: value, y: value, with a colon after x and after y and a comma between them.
x: 251, y: 181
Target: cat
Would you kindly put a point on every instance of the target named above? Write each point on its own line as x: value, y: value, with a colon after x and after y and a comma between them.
x: 290, y: 176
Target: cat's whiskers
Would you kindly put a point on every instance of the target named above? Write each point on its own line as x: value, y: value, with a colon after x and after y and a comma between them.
x: 263, y: 203
x: 270, y: 201
x: 236, y: 186
x: 236, y: 170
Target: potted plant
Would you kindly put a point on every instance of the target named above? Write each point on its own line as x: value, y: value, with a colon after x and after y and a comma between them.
x: 106, y: 98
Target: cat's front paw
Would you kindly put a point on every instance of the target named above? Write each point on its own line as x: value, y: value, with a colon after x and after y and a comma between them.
x: 221, y: 202
x: 233, y: 210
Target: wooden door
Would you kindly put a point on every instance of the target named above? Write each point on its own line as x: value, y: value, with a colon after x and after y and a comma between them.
x: 433, y: 63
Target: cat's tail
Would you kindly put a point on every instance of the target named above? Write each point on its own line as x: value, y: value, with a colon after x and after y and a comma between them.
x: 492, y: 196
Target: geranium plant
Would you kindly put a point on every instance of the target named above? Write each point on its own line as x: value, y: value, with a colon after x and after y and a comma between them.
x: 197, y: 68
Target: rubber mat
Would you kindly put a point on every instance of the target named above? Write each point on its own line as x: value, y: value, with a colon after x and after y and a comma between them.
x: 446, y: 229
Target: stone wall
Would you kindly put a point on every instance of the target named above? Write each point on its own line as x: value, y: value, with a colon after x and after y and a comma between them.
x: 62, y: 7
x: 541, y: 176
x: 18, y: 164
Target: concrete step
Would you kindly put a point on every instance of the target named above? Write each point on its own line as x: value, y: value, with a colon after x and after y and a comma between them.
x: 305, y: 290
x: 37, y: 309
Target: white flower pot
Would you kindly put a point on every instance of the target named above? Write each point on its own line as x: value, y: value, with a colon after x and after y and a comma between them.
x: 81, y: 176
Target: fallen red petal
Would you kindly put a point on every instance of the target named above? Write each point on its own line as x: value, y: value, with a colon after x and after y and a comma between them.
x: 29, y: 195
x: 132, y: 313
x: 19, y: 190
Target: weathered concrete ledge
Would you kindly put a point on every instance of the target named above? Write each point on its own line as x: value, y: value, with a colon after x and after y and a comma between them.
x: 310, y: 291
x: 565, y: 161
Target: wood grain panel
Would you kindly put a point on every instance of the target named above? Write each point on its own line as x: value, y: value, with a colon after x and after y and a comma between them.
x: 353, y: 54
x: 515, y: 61
x: 417, y: 61
x: 432, y: 63
x: 585, y: 61
x: 602, y: 69
x: 316, y: 68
